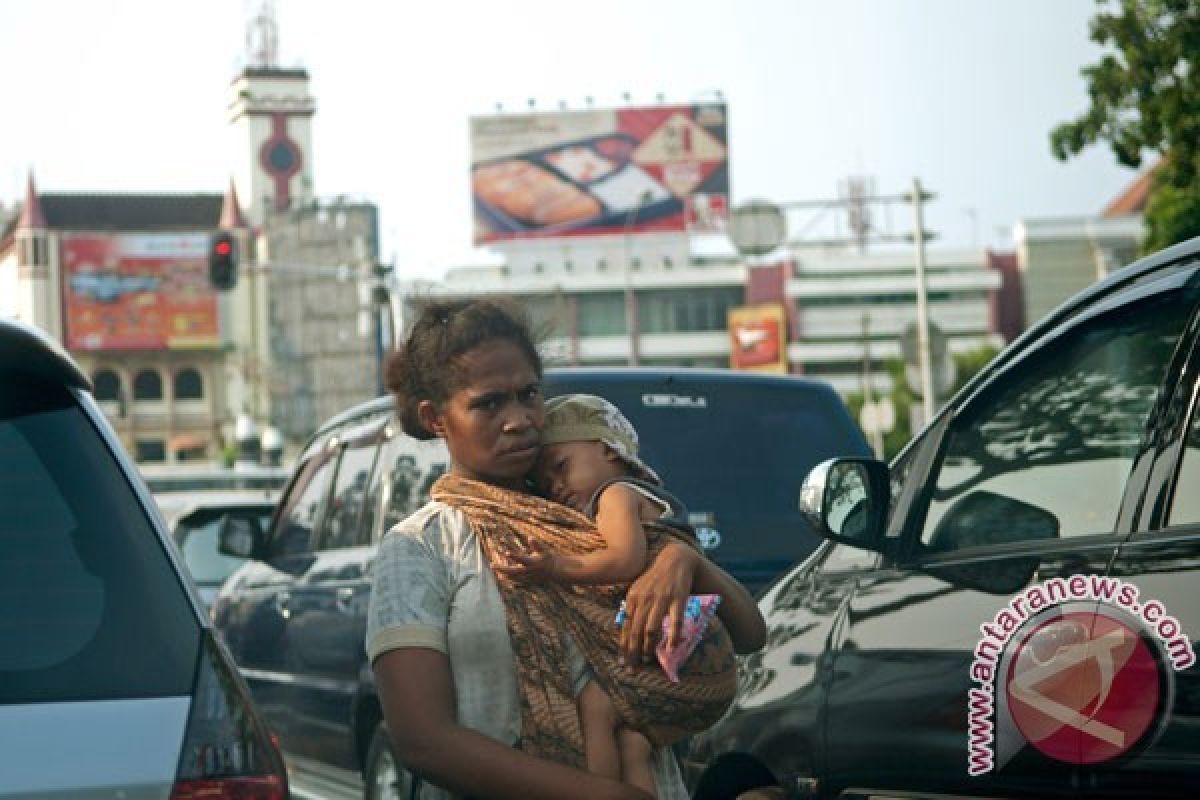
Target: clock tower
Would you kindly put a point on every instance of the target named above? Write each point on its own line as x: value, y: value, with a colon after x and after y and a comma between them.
x: 270, y: 111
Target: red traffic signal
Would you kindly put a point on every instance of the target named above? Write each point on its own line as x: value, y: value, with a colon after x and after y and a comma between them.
x: 222, y: 261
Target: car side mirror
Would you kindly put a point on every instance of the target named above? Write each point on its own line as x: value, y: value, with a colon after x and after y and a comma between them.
x: 240, y: 535
x: 846, y: 500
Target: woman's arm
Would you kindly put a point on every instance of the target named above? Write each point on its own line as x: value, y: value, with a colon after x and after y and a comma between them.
x: 661, y: 592
x: 417, y: 693
x: 738, y: 611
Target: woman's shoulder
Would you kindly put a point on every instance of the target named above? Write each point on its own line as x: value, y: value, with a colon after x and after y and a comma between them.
x: 436, y: 525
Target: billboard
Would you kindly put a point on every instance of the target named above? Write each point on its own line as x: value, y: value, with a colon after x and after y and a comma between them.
x: 629, y: 170
x: 138, y: 292
x: 758, y: 338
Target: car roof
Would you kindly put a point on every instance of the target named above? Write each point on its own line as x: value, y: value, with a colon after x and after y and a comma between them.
x: 29, y: 349
x: 614, y: 375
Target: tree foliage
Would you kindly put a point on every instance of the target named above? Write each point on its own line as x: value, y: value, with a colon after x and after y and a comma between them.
x: 1145, y: 101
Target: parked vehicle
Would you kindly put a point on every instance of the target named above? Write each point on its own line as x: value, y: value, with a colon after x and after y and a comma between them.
x: 190, y: 477
x: 295, y: 616
x: 194, y: 525
x: 111, y: 681
x: 1009, y: 609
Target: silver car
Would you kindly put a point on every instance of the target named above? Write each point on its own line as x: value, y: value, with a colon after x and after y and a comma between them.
x: 112, y: 683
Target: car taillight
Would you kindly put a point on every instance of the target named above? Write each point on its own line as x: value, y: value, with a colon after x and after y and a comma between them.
x: 227, y: 755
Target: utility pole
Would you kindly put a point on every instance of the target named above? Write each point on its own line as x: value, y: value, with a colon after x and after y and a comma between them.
x: 876, y: 432
x: 924, y: 357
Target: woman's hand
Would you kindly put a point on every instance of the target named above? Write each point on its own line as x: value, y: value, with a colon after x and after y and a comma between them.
x: 659, y: 593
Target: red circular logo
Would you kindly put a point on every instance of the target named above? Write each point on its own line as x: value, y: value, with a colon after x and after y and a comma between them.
x: 1083, y: 688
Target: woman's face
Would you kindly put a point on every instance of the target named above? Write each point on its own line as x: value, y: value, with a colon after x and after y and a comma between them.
x: 492, y: 422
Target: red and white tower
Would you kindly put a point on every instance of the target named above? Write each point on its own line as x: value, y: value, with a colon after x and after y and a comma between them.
x: 270, y: 111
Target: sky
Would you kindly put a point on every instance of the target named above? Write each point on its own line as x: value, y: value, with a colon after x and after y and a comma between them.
x: 130, y: 95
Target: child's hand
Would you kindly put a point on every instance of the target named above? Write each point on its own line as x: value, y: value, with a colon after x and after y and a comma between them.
x: 538, y: 564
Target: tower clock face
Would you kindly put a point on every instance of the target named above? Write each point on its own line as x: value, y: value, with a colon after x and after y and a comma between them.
x: 281, y: 156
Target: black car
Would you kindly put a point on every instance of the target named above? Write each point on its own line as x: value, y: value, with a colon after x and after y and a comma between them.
x: 1009, y: 610
x: 295, y: 616
x: 112, y: 683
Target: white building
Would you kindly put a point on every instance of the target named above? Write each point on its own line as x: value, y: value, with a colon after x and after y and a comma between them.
x: 1059, y: 256
x: 679, y: 294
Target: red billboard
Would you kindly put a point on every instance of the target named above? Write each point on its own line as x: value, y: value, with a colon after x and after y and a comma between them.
x: 138, y: 292
x: 659, y: 168
x: 758, y: 338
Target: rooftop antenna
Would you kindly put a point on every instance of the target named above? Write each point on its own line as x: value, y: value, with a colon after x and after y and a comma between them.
x: 262, y: 37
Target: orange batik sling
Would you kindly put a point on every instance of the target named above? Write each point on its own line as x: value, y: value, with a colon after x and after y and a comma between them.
x: 540, y: 616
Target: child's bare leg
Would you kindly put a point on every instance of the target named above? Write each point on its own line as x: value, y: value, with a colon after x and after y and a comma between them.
x: 598, y: 719
x: 636, y: 752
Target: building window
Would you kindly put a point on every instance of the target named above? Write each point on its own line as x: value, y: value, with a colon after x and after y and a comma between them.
x: 107, y: 386
x: 147, y: 385
x: 601, y: 314
x: 687, y: 310
x: 188, y: 385
x: 150, y: 450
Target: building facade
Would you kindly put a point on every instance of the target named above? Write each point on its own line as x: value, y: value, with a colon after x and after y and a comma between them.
x: 1059, y: 256
x: 324, y: 338
x: 121, y: 281
x: 653, y: 300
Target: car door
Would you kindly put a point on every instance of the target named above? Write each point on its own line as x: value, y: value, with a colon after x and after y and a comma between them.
x: 325, y: 608
x: 1021, y: 485
x: 1161, y: 559
x: 253, y: 608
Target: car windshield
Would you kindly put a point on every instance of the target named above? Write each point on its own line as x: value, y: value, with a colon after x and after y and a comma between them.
x: 90, y: 606
x: 197, y: 538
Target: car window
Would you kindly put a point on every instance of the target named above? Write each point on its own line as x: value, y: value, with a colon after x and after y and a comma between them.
x: 1185, y: 508
x: 90, y: 606
x: 341, y: 526
x: 302, y: 507
x: 406, y: 472
x: 198, y: 542
x: 1046, y: 450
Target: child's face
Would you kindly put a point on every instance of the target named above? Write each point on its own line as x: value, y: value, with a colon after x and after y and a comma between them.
x: 571, y: 472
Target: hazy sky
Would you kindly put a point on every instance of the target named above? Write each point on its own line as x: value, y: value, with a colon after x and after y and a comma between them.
x: 131, y: 95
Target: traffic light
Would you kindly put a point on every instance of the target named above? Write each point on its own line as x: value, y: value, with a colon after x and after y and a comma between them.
x: 222, y: 260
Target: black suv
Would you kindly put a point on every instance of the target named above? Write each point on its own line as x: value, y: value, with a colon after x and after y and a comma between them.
x: 1009, y: 610
x: 295, y: 616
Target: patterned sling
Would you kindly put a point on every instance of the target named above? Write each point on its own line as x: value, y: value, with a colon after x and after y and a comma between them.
x: 540, y: 617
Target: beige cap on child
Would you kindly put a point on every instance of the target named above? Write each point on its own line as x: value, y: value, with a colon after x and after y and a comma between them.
x: 588, y: 418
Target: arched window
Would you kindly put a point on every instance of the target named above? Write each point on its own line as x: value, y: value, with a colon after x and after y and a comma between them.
x: 188, y: 385
x: 147, y: 385
x: 107, y: 385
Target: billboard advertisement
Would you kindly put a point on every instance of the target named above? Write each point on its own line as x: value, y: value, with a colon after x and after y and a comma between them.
x: 138, y: 292
x: 758, y: 338
x: 628, y: 170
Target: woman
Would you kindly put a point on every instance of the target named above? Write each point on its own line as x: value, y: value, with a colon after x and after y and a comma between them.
x: 437, y: 636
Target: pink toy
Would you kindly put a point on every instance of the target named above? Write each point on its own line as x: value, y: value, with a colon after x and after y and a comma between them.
x: 696, y: 614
